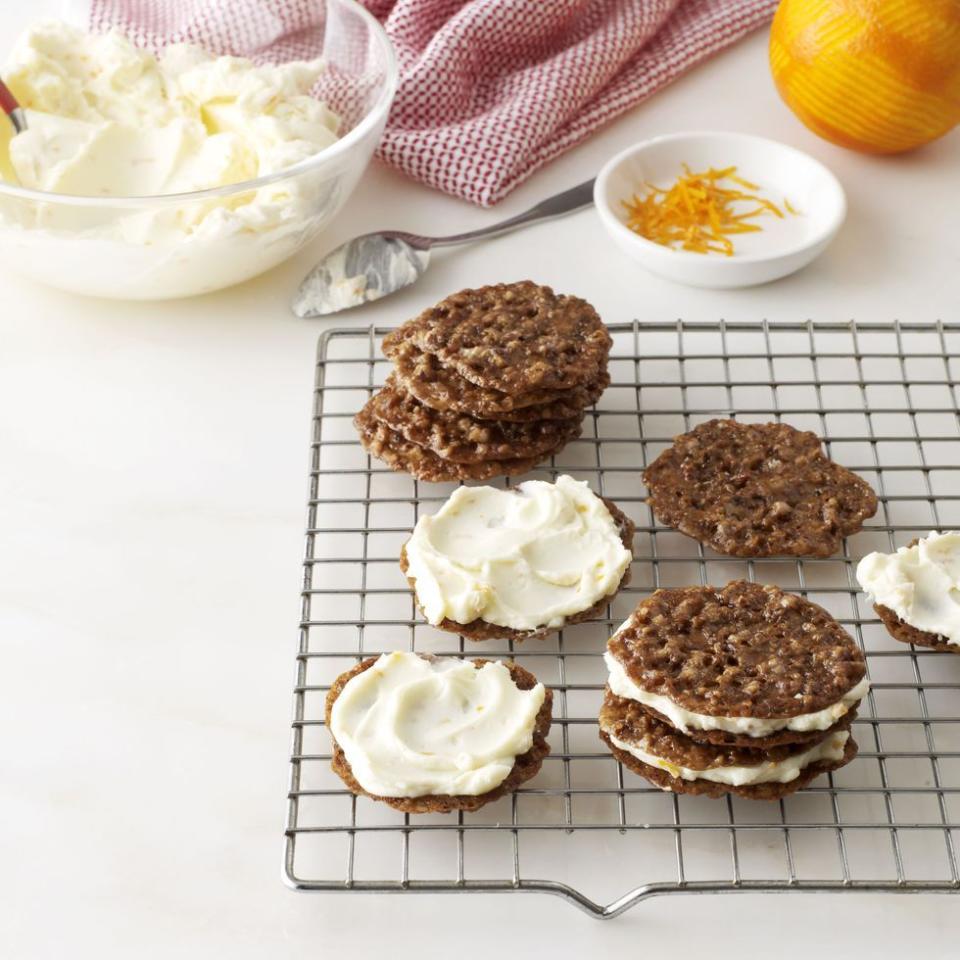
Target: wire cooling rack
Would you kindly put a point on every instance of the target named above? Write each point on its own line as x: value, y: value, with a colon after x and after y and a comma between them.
x: 885, y: 399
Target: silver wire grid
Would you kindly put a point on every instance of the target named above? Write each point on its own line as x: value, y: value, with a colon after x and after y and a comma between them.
x: 885, y: 399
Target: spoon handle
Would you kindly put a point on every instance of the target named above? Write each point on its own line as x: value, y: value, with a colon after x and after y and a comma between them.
x: 9, y: 105
x: 555, y: 206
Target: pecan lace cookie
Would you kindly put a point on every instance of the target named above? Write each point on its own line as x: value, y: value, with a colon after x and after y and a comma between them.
x: 744, y: 676
x: 757, y: 490
x: 435, y: 734
x: 441, y: 388
x: 461, y: 439
x: 406, y: 457
x: 899, y: 629
x: 512, y: 337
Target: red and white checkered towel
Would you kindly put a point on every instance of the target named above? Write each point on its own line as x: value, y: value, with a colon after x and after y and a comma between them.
x: 490, y: 90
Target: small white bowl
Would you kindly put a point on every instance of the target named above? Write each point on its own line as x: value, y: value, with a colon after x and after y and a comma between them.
x: 781, y: 172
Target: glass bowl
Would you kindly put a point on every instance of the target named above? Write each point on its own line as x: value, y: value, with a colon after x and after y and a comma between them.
x: 111, y: 247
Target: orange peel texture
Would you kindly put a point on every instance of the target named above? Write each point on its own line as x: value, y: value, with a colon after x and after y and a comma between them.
x: 879, y: 76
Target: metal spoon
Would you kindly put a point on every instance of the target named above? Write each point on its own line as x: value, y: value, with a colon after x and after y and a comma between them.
x: 378, y: 264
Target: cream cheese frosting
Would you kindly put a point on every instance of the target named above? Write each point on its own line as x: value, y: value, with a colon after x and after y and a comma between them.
x: 523, y: 558
x: 412, y: 727
x: 106, y: 118
x: 685, y: 720
x: 782, y: 771
x: 920, y: 584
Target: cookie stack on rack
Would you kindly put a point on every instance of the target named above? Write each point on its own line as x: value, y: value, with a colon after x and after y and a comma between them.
x: 488, y: 382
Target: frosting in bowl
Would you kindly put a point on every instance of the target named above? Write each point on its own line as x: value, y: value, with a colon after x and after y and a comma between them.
x: 106, y: 118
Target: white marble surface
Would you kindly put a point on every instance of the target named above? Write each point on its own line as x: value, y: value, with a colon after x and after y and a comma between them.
x: 152, y: 465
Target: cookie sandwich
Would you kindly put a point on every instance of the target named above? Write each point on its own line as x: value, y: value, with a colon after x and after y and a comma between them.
x: 519, y: 563
x: 757, y: 490
x: 489, y: 382
x: 434, y: 734
x: 916, y: 590
x: 743, y: 689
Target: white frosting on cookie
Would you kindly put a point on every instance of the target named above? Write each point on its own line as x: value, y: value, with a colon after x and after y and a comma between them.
x: 523, y: 558
x: 920, y: 584
x: 782, y: 771
x: 411, y: 726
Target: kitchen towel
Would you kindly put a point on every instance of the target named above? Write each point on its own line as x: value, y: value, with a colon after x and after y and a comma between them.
x: 490, y: 90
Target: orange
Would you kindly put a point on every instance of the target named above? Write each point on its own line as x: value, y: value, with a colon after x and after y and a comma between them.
x: 879, y: 76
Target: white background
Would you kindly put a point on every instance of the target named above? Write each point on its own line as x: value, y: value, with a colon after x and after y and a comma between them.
x: 152, y: 484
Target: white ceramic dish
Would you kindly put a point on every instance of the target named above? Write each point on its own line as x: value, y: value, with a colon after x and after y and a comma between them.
x: 782, y: 247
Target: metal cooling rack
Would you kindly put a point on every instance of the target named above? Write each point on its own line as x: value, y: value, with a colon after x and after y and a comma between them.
x: 885, y: 399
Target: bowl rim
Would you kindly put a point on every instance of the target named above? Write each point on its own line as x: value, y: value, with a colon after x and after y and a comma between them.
x: 614, y: 224
x: 341, y: 146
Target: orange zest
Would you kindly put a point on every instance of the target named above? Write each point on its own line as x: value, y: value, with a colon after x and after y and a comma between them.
x: 698, y: 214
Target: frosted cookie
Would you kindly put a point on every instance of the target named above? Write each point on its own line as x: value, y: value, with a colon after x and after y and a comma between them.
x: 757, y: 490
x: 916, y: 590
x: 442, y: 388
x: 515, y: 564
x: 674, y: 761
x: 461, y: 438
x: 746, y: 665
x: 512, y: 337
x: 435, y: 734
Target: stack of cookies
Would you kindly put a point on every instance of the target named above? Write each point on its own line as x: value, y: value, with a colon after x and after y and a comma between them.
x: 488, y: 382
x: 745, y: 690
